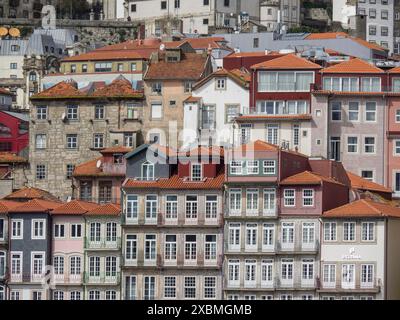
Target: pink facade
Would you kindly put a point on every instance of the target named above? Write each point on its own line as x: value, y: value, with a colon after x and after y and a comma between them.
x: 393, y: 140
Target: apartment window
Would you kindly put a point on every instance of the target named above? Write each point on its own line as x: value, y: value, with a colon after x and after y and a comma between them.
x: 169, y: 287
x: 131, y: 247
x: 245, y: 133
x: 352, y: 144
x: 130, y: 288
x: 36, y: 295
x: 129, y: 140
x: 99, y: 112
x: 396, y: 147
x: 2, y: 265
x: 58, y: 295
x: 73, y: 68
x: 329, y: 231
x: 149, y: 287
x: 133, y: 66
x: 37, y: 264
x: 210, y: 247
x: 251, y: 235
x: 76, y: 230
x: 268, y: 234
x: 370, y: 112
x: 348, y: 275
x: 289, y: 197
x: 211, y: 207
x: 163, y: 5
x: 205, y: 21
x: 308, y: 197
x: 170, y: 248
x: 75, y: 264
x: 220, y: 83
x: 210, y: 286
x: 372, y: 30
x: 233, y: 272
x: 234, y: 236
x: 2, y: 229
x: 296, y: 134
x: 72, y: 112
x: 150, y: 247
x: 132, y: 205
x: 349, y: 231
x: 85, y: 190
x: 38, y: 229
x: 269, y: 200
x: 191, y: 207
x: 156, y: 87
x: 40, y: 171
x: 111, y: 267
x: 353, y: 111
x: 59, y: 230
x: 367, y: 231
x: 111, y: 295
x: 266, y: 271
x: 252, y: 166
x: 196, y: 172
x: 70, y: 170
x: 235, y: 200
x: 384, y: 15
x: 111, y: 232
x: 98, y: 141
x: 284, y: 81
x: 288, y: 232
x: 206, y: 2
x: 156, y: 110
x: 171, y: 207
x: 367, y: 275
x: 367, y: 174
x: 133, y: 7
x: 250, y: 272
x: 252, y: 200
x: 236, y: 167
x: 287, y: 269
x: 16, y: 263
x: 190, y: 247
x: 308, y: 232
x: 13, y: 66
x: 269, y: 167
x: 94, y: 295
x: 14, y: 295
x: 148, y: 171
x: 256, y: 42
x: 41, y: 112
x: 336, y: 111
x: 372, y: 13
x: 307, y: 266
x: 226, y: 3
x: 369, y: 145
x: 72, y: 141
x: 103, y: 67
x: 329, y: 274
x: 190, y: 287
x: 272, y: 133
x: 58, y: 262
x: 84, y: 68
x: 151, y: 207
x: 41, y: 140
x: 95, y: 232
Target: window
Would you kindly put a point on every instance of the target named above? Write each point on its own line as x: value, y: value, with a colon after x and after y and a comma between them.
x: 70, y: 170
x: 289, y: 197
x: 59, y: 230
x: 284, y: 81
x: 94, y: 266
x: 130, y: 288
x: 129, y: 140
x: 269, y: 167
x: 133, y: 66
x: 38, y: 229
x: 206, y: 2
x: 72, y: 112
x: 231, y: 112
x: 307, y: 266
x: 147, y: 171
x: 353, y: 111
x: 16, y: 263
x: 235, y: 201
x: 111, y: 267
x: 352, y: 144
x: 171, y: 207
x: 58, y: 295
x: 151, y: 207
x: 156, y: 110
x: 132, y: 206
x: 188, y: 86
x: 251, y: 236
x: 245, y: 133
x: 37, y: 264
x: 336, y: 111
x: 149, y: 287
x: 329, y: 231
x: 72, y: 141
x: 13, y: 65
x: 329, y: 275
x: 41, y: 140
x: 73, y: 68
x: 94, y: 295
x: 205, y: 21
x: 268, y: 234
x: 367, y: 231
x: 252, y: 201
x: 367, y: 174
x: 287, y: 269
x: 75, y: 263
x: 348, y: 276
x: 211, y: 206
x: 156, y: 87
x: 163, y: 5
x: 349, y: 230
x: 308, y: 197
x: 16, y: 229
x: 235, y: 167
x: 169, y: 287
x: 150, y: 247
x: 296, y: 134
x: 76, y: 230
x: 2, y: 265
x: 233, y: 272
x: 191, y: 207
x: 272, y: 133
x: 131, y: 247
x: 369, y: 145
x: 220, y: 83
x: 256, y: 42
x: 210, y: 247
x: 372, y: 30
x: 58, y: 262
x: 95, y: 232
x: 85, y: 190
x: 287, y: 233
x: 196, y: 172
x: 250, y: 273
x: 370, y: 112
x: 367, y: 275
x: 170, y: 247
x: 190, y: 248
x: 40, y: 171
x: 308, y: 232
x: 234, y: 236
x: 98, y: 141
x: 190, y: 287
x: 2, y: 229
x: 84, y: 68
x: 372, y: 13
x: 111, y: 295
x: 210, y: 284
x: 41, y: 112
x: 99, y: 112
x: 132, y: 111
x: 133, y: 7
x: 103, y: 67
x: 111, y: 232
x: 266, y: 272
x: 226, y: 3
x: 269, y: 200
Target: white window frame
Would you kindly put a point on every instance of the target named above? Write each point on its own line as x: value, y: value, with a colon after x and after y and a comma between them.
x: 291, y: 197
x: 21, y: 235
x: 328, y: 227
x: 349, y: 233
x: 308, y: 197
x: 368, y: 224
x: 267, y: 165
x: 192, y: 171
x: 237, y: 165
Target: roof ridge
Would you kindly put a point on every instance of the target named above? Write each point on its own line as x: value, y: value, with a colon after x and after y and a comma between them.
x: 372, y: 207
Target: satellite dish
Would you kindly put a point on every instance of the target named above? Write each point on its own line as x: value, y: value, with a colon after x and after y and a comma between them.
x: 162, y: 47
x: 98, y: 164
x: 14, y: 32
x: 3, y: 32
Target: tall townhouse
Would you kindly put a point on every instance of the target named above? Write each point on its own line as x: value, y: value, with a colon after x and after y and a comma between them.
x: 100, y: 179
x: 393, y: 132
x: 349, y: 113
x: 70, y: 125
x: 172, y: 226
x: 102, y: 249
x: 359, y: 252
x: 280, y: 103
x: 30, y: 250
x: 67, y: 248
x: 167, y: 84
x: 215, y: 103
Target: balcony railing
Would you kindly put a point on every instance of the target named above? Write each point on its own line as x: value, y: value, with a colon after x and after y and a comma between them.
x: 103, y: 244
x: 377, y: 90
x: 68, y: 278
x: 340, y: 286
x: 277, y: 283
x: 102, y: 278
x: 251, y: 214
x: 297, y: 246
x: 277, y: 247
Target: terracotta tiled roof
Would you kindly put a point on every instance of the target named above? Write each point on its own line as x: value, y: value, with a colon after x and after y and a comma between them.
x: 368, y: 44
x: 192, y: 99
x: 275, y: 117
x: 177, y: 183
x: 27, y: 193
x: 74, y: 207
x: 6, y: 92
x: 120, y: 87
x: 8, y: 157
x: 327, y: 35
x: 204, y: 43
x: 109, y: 209
x: 61, y: 89
x: 355, y: 65
x: 256, y: 146
x: 7, y: 205
x: 90, y: 169
x: 36, y: 205
x: 204, y: 151
x: 254, y: 54
x: 191, y: 67
x: 108, y: 56
x: 307, y: 178
x: 287, y: 62
x: 362, y: 184
x: 363, y: 208
x: 240, y: 77
x: 394, y: 70
x: 118, y: 149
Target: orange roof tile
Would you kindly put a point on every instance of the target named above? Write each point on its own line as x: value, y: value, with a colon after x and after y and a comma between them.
x: 253, y: 54
x: 117, y: 149
x: 31, y: 193
x: 287, y: 62
x: 61, y: 89
x: 288, y: 117
x: 90, y: 169
x: 358, y: 182
x: 36, y: 205
x: 204, y: 151
x: 327, y: 35
x: 355, y: 65
x: 205, y: 42
x: 307, y: 177
x: 109, y: 209
x: 394, y: 70
x: 192, y: 99
x: 7, y: 205
x: 256, y: 146
x: 8, y: 157
x: 368, y: 44
x: 120, y: 87
x: 363, y: 208
x: 240, y: 77
x: 74, y: 207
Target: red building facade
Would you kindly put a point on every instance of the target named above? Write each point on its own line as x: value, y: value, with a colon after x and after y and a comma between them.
x: 14, y: 134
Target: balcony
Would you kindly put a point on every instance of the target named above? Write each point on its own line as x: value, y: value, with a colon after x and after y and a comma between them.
x: 350, y: 287
x: 102, y: 278
x: 358, y: 91
x: 297, y: 247
x: 251, y: 214
x: 103, y: 244
x: 68, y: 278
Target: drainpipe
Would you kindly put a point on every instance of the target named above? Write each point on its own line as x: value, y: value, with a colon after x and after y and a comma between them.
x: 385, y: 260
x: 123, y: 197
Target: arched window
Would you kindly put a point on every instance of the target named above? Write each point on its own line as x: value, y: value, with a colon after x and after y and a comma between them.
x: 147, y: 171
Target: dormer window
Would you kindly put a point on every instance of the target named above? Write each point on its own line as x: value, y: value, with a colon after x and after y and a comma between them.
x: 220, y: 84
x: 148, y: 171
x: 196, y: 172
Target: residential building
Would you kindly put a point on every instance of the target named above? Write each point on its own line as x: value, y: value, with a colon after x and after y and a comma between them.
x: 100, y: 180
x: 13, y: 170
x: 23, y: 9
x: 71, y: 125
x: 215, y: 103
x: 349, y: 112
x: 168, y: 83
x: 280, y: 15
x: 102, y: 276
x: 6, y: 98
x: 14, y: 132
x: 359, y: 252
x: 172, y: 226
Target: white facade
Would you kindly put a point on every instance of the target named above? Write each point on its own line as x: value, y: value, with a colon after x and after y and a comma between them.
x: 342, y: 11
x: 283, y: 12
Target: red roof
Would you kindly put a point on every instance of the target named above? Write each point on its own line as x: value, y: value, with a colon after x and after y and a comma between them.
x: 192, y: 99
x: 362, y: 184
x: 35, y: 205
x: 364, y: 208
x: 394, y: 70
x: 118, y: 149
x: 8, y: 157
x: 204, y: 151
x: 240, y: 77
x: 307, y: 178
x: 256, y: 146
x: 287, y: 62
x: 27, y: 193
x: 253, y: 54
x: 355, y: 65
x: 75, y: 207
x: 7, y: 205
x: 204, y: 43
x: 109, y: 209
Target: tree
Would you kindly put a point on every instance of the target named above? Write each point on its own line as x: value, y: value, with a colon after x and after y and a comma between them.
x: 303, y: 29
